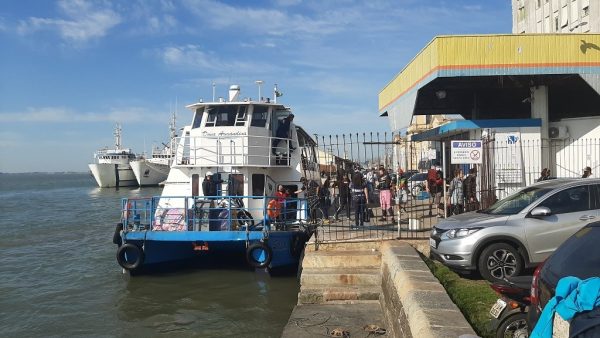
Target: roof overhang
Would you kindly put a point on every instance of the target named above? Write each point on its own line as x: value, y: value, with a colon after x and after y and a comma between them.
x: 526, y: 58
x: 458, y: 127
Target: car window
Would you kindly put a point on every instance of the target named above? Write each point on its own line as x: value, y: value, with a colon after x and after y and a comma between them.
x: 569, y: 200
x: 516, y: 202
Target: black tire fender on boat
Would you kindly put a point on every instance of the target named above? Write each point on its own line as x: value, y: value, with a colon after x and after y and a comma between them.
x: 117, y: 235
x: 133, y: 250
x: 253, y: 261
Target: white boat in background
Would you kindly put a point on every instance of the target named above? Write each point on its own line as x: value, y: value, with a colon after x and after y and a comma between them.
x: 155, y: 169
x: 111, y: 166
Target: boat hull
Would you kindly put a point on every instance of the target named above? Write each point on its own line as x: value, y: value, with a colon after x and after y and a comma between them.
x: 210, y: 249
x: 109, y: 175
x: 149, y: 173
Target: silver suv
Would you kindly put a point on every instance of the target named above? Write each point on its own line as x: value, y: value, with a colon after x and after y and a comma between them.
x: 516, y: 232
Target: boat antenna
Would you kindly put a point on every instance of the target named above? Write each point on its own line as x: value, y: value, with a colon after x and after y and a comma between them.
x: 214, y: 85
x: 117, y: 136
x: 276, y: 94
x: 259, y: 83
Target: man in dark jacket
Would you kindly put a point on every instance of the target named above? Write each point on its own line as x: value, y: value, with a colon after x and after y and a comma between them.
x: 470, y: 190
x: 209, y: 186
x: 283, y: 132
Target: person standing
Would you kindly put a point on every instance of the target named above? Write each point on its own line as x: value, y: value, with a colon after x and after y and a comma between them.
x: 359, y: 192
x: 587, y: 172
x: 301, y: 204
x: 545, y: 175
x: 470, y: 189
x: 434, y: 185
x: 456, y: 192
x: 209, y: 186
x: 283, y: 134
x: 385, y: 194
x: 282, y: 195
x: 325, y: 199
x: 345, y: 198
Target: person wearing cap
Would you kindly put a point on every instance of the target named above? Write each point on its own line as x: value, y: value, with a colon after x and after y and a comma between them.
x: 283, y: 132
x: 587, y: 172
x: 209, y: 186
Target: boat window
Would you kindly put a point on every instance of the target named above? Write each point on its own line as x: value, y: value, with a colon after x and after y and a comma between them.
x: 259, y: 116
x: 235, y: 185
x: 195, y: 185
x: 242, y: 116
x: 198, y: 118
x: 258, y: 184
x: 226, y: 116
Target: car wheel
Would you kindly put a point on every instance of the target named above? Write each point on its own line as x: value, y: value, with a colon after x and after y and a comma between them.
x: 514, y: 326
x: 498, y: 261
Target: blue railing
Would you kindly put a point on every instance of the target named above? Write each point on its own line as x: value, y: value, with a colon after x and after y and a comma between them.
x: 219, y: 213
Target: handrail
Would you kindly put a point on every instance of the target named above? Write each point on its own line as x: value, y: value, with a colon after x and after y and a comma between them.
x: 243, y: 150
x: 206, y: 213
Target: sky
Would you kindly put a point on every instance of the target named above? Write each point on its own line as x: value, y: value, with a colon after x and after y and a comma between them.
x: 71, y: 70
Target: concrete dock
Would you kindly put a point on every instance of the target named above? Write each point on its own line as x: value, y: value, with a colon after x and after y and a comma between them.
x: 357, y: 286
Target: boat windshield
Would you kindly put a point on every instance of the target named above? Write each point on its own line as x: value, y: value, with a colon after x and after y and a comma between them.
x: 516, y: 202
x: 226, y: 116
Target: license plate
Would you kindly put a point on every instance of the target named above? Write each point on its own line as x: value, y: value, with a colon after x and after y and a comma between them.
x: 497, y: 308
x: 432, y: 243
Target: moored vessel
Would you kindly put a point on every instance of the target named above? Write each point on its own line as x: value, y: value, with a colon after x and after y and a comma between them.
x: 219, y: 203
x: 111, y: 167
x: 154, y: 170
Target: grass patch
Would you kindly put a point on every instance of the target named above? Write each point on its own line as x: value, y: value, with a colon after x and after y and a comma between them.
x: 474, y: 298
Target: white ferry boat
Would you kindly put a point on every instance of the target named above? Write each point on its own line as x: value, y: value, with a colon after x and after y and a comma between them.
x: 111, y: 166
x: 219, y: 203
x: 154, y: 170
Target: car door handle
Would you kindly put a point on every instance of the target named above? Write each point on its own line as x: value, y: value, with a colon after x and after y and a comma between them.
x: 586, y: 217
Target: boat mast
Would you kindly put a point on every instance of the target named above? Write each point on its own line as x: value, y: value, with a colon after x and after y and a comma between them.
x: 117, y: 137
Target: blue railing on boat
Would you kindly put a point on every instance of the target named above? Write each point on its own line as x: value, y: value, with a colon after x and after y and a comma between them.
x: 219, y: 213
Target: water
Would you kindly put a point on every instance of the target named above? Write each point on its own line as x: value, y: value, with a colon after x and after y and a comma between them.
x: 59, y: 276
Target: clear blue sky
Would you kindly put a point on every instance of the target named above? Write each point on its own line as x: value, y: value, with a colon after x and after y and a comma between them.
x: 69, y: 70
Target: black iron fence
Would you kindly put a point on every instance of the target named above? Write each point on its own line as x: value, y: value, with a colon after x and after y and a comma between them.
x: 506, y: 166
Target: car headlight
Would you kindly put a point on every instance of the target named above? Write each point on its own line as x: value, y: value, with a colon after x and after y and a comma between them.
x: 459, y: 233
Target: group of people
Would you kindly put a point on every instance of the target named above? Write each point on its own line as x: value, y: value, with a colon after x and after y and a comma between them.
x: 462, y: 192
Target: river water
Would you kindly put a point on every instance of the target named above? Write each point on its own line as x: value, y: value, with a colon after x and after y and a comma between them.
x: 59, y: 275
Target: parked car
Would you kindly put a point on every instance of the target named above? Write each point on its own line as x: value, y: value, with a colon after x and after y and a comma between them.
x: 518, y: 231
x: 416, y: 183
x: 579, y: 256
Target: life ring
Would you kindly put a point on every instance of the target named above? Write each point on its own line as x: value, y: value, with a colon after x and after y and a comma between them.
x: 273, y: 209
x: 259, y: 255
x: 130, y: 256
x: 117, y: 235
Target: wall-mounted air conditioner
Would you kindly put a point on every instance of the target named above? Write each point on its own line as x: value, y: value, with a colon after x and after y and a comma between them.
x: 560, y: 132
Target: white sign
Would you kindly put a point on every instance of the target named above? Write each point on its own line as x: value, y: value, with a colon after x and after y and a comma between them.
x: 466, y: 152
x: 432, y: 154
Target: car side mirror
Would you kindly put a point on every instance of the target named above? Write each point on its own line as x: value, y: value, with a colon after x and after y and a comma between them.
x: 540, y: 212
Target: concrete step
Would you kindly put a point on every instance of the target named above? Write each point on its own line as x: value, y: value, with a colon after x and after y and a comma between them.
x: 340, y: 276
x: 362, y: 245
x: 321, y: 294
x: 342, y: 259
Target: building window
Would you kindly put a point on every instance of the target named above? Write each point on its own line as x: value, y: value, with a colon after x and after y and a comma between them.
x: 538, y: 3
x: 585, y: 11
x: 556, y: 24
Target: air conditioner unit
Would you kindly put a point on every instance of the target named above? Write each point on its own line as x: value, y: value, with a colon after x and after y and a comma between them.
x: 560, y: 132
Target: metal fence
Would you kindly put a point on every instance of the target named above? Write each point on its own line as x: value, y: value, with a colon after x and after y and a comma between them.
x: 507, y: 165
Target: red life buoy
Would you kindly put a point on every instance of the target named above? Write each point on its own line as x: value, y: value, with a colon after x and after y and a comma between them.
x: 273, y: 209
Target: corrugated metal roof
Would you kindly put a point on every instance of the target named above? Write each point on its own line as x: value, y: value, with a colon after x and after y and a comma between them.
x: 481, y: 55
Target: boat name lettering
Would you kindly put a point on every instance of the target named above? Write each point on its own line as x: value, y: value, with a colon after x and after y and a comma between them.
x: 224, y: 133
